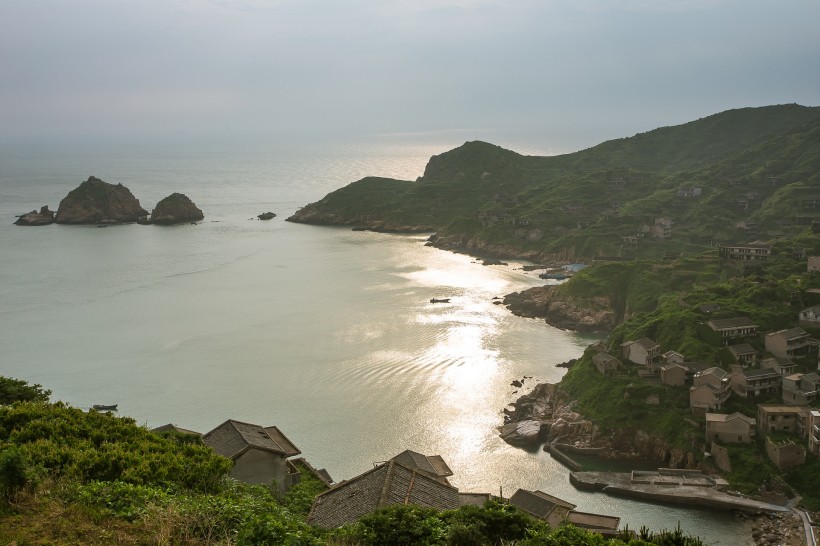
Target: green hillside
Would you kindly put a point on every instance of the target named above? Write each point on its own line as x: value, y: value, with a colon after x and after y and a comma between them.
x: 739, y: 175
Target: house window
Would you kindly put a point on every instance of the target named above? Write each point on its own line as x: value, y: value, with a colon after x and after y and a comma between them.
x: 740, y: 438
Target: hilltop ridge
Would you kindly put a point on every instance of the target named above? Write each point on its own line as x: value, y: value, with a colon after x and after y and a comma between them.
x: 740, y: 174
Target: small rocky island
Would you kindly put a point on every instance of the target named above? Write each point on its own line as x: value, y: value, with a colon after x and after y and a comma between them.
x: 98, y: 202
x: 177, y: 208
x: 42, y: 218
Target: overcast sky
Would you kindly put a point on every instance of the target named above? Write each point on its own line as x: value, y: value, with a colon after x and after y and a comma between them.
x: 587, y: 69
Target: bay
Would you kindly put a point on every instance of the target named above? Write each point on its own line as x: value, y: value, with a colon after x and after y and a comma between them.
x: 327, y: 333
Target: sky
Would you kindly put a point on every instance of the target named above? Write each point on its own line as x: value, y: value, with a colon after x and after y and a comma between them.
x: 583, y: 70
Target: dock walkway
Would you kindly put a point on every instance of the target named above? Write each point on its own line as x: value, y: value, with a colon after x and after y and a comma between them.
x: 671, y: 486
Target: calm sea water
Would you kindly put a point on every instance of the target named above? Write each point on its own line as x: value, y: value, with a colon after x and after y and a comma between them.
x: 325, y: 332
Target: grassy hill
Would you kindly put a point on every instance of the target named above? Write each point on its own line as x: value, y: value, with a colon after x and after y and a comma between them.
x: 749, y: 170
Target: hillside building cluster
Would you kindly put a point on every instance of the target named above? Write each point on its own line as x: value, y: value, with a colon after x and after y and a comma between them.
x: 753, y: 365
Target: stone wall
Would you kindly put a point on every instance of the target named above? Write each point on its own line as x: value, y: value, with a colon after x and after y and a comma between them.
x: 720, y: 455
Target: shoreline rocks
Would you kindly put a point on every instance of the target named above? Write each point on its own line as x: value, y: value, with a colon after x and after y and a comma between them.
x: 34, y: 218
x: 594, y: 316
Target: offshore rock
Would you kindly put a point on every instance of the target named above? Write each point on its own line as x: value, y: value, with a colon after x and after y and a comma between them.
x: 177, y: 208
x: 34, y: 218
x: 266, y: 215
x: 98, y: 202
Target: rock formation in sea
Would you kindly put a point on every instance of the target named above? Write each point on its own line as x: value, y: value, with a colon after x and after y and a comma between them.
x: 266, y: 215
x: 98, y: 202
x: 34, y: 218
x: 177, y: 208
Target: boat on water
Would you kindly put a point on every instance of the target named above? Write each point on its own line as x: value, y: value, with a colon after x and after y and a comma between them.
x: 440, y: 300
x: 105, y: 407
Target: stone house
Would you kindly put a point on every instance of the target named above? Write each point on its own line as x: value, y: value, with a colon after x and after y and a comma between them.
x: 814, y: 432
x: 389, y: 483
x: 673, y: 357
x: 783, y: 366
x: 606, y: 364
x: 260, y: 454
x: 782, y: 417
x: 757, y: 251
x: 542, y: 506
x: 790, y: 343
x: 743, y: 354
x: 711, y: 389
x: 785, y: 454
x: 732, y: 328
x: 813, y: 263
x: 674, y: 374
x: 752, y: 383
x: 431, y: 465
x: 801, y: 388
x: 644, y: 352
x: 810, y: 317
x: 734, y: 428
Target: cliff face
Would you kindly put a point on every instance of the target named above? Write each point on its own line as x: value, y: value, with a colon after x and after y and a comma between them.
x: 177, y: 208
x: 593, y: 315
x: 547, y: 405
x: 98, y: 202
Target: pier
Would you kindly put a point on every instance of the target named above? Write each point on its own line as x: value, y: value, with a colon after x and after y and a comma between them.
x: 689, y: 487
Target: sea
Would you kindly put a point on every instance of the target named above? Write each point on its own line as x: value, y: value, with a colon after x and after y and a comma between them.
x: 325, y: 332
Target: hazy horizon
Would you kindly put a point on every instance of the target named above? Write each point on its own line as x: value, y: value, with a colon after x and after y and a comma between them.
x: 577, y: 73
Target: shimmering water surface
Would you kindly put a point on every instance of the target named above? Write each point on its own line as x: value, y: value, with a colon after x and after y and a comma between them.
x: 325, y: 332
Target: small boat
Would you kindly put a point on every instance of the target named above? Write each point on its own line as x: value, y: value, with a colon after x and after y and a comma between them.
x: 440, y: 300
x: 105, y: 407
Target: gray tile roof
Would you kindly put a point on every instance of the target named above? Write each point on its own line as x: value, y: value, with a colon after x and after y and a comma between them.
x: 761, y: 372
x: 232, y: 438
x: 387, y: 484
x: 537, y: 503
x: 737, y: 322
x: 791, y: 333
x: 742, y: 349
x: 433, y: 465
x: 647, y: 343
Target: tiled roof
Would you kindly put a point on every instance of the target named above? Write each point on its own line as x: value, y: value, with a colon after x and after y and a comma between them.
x: 737, y: 322
x: 593, y: 521
x: 537, y: 503
x: 433, y: 465
x: 791, y: 333
x: 742, y: 349
x: 387, y: 484
x: 233, y: 438
x: 647, y: 343
x: 722, y: 417
x: 720, y: 373
x: 170, y: 427
x: 760, y: 372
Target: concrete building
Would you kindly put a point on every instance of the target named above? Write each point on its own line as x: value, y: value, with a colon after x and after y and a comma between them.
x: 782, y: 417
x: 757, y: 252
x: 643, y: 351
x: 790, y: 343
x: 743, y: 354
x: 711, y: 389
x: 801, y: 388
x: 734, y: 428
x: 606, y: 364
x: 783, y: 366
x: 814, y: 432
x: 756, y: 382
x: 809, y: 317
x: 732, y: 328
x: 674, y: 374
